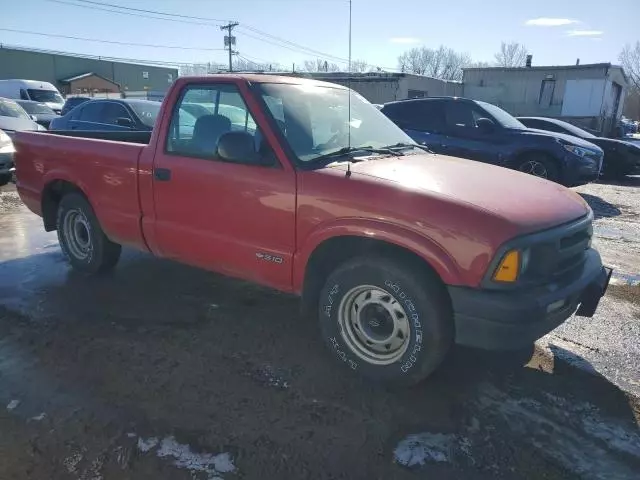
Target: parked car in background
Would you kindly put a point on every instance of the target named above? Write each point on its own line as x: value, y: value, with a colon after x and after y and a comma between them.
x: 39, y: 112
x: 109, y: 115
x: 620, y: 158
x: 13, y: 118
x: 73, y: 102
x: 399, y: 253
x: 480, y: 131
x: 6, y: 158
x: 34, y: 90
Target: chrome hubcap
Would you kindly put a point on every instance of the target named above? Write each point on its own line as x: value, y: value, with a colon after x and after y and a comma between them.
x: 75, y: 229
x: 374, y: 325
x: 535, y: 168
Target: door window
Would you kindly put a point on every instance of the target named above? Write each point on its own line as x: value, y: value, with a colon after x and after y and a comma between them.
x: 112, y: 111
x: 459, y: 115
x: 91, y: 112
x: 203, y: 115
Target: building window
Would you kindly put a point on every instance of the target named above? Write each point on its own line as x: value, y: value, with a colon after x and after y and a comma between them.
x: 417, y: 94
x: 145, y: 75
x: 170, y: 77
x: 546, y: 93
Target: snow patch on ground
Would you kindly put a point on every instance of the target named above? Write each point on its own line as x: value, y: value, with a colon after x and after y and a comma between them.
x: 423, y: 448
x: 575, y: 434
x: 13, y: 404
x: 184, y: 457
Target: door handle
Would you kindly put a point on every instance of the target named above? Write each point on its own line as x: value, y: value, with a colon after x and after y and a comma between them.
x: 162, y: 174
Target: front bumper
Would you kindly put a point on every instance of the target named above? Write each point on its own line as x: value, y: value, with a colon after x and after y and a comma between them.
x: 506, y: 320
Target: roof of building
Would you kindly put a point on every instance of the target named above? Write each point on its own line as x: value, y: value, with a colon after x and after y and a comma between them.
x: 87, y: 75
x: 549, y: 67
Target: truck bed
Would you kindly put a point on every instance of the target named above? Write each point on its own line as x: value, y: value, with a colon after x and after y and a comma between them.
x: 105, y: 171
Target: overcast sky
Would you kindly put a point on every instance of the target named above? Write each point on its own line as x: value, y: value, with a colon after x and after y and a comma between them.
x: 555, y: 32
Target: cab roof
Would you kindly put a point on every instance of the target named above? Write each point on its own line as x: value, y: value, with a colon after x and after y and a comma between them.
x: 264, y: 78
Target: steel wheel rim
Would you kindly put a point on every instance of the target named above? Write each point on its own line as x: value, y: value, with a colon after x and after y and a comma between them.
x: 535, y: 168
x: 374, y: 325
x: 76, y: 231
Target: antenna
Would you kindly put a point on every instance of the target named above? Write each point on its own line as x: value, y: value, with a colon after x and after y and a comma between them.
x: 349, y: 83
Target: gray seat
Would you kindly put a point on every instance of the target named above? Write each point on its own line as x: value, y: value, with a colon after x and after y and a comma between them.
x: 207, y: 131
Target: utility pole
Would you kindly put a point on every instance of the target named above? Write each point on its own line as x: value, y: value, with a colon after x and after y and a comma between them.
x: 229, y: 41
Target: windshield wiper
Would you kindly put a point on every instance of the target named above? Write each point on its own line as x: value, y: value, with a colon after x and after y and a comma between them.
x: 349, y: 150
x: 402, y: 145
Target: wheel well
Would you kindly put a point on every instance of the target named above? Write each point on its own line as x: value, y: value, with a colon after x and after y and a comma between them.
x: 520, y: 156
x: 51, y: 196
x: 333, y: 252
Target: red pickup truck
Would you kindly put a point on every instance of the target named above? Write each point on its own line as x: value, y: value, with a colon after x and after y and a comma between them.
x: 306, y: 187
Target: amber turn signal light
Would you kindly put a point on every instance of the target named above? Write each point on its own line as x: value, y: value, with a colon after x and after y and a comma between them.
x: 507, y: 271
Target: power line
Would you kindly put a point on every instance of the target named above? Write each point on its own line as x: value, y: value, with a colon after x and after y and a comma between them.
x: 91, y: 7
x: 71, y: 37
x: 230, y: 41
x: 282, y: 43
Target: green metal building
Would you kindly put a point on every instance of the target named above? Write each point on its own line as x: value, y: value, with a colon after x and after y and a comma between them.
x: 57, y: 68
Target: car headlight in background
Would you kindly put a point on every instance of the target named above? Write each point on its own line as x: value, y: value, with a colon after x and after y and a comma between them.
x: 580, y: 151
x: 6, y: 145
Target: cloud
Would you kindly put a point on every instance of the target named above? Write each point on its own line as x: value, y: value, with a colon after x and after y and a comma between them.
x: 404, y: 40
x: 549, y: 22
x: 584, y: 33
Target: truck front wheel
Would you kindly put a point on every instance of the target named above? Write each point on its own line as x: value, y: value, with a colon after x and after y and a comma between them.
x: 82, y: 240
x: 387, y: 321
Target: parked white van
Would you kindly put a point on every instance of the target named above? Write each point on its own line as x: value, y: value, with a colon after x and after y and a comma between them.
x: 35, y: 90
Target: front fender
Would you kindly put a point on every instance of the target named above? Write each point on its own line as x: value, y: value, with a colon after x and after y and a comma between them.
x: 430, y: 251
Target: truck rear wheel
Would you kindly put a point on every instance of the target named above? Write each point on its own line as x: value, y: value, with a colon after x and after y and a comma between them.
x: 82, y: 240
x: 386, y: 321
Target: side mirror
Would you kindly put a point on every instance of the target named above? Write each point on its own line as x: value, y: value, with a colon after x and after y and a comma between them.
x: 485, y: 125
x: 124, y: 122
x: 33, y: 117
x: 240, y: 147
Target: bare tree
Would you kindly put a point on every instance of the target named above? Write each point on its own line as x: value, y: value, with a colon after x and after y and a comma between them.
x: 320, y: 65
x: 359, y: 66
x: 479, y: 64
x: 244, y: 64
x: 630, y: 60
x: 512, y: 54
x: 444, y: 63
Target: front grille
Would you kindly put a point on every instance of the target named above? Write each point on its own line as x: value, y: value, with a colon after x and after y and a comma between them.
x: 561, y: 253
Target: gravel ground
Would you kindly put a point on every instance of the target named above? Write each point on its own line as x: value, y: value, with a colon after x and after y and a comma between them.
x: 159, y: 370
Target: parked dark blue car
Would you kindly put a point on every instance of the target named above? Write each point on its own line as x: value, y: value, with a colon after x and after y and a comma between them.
x: 480, y: 131
x: 109, y: 115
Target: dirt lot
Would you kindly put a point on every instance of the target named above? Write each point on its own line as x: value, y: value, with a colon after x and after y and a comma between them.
x: 162, y: 371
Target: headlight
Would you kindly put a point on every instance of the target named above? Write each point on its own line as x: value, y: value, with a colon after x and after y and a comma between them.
x: 513, y: 263
x: 6, y: 145
x: 580, y: 151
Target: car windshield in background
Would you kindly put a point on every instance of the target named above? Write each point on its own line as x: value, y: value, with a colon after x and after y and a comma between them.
x: 577, y: 131
x: 502, y: 117
x: 44, y: 96
x: 36, y: 108
x: 9, y: 108
x: 146, y: 111
x: 315, y: 120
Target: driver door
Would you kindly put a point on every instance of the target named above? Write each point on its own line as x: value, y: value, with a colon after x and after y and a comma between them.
x: 234, y: 218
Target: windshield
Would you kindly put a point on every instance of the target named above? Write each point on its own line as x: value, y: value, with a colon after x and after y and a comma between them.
x: 9, y: 108
x: 502, y: 117
x: 36, y: 108
x: 50, y: 96
x: 576, y: 131
x: 315, y: 120
x: 146, y: 111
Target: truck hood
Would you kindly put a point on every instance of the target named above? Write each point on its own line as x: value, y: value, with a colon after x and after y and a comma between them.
x: 567, y: 138
x: 528, y: 202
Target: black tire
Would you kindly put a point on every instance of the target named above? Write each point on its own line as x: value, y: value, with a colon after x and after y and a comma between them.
x: 5, y: 178
x: 537, y: 163
x: 422, y: 298
x: 100, y: 254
